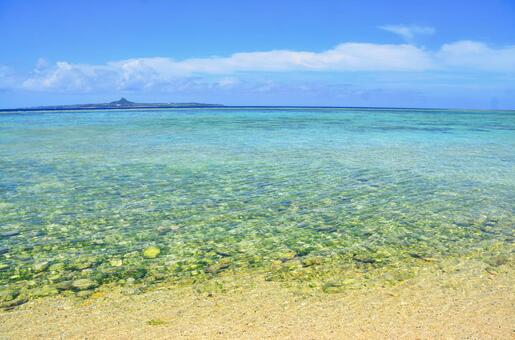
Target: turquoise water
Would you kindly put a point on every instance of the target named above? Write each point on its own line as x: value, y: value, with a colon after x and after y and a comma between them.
x: 292, y: 193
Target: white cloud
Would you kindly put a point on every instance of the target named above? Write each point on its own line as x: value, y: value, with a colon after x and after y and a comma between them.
x: 476, y: 55
x: 41, y: 65
x: 344, y: 57
x: 408, y: 32
x: 141, y: 73
x: 71, y: 77
x: 228, y: 82
x: 166, y: 74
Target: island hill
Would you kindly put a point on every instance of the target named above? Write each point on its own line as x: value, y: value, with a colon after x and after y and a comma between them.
x: 119, y: 104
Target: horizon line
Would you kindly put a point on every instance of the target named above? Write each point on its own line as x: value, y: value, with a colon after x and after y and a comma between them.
x: 222, y: 106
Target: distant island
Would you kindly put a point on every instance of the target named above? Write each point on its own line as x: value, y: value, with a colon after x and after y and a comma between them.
x: 119, y: 104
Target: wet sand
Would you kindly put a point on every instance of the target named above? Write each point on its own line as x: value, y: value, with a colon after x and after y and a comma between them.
x: 465, y: 300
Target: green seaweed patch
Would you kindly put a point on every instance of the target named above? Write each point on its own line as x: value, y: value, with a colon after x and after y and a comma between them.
x: 151, y: 252
x: 156, y: 322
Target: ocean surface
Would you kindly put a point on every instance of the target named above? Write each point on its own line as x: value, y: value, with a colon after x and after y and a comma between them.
x: 303, y: 195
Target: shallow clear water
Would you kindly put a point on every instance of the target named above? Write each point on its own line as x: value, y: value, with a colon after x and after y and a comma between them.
x: 282, y: 191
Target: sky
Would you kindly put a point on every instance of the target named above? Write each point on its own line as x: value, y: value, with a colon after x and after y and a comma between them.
x: 439, y: 53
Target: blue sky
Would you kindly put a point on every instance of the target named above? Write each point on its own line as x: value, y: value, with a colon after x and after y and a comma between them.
x: 345, y: 53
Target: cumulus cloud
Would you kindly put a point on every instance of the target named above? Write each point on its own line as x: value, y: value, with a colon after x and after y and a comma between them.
x: 408, y: 32
x: 64, y: 76
x: 476, y: 55
x: 141, y: 73
x: 344, y: 57
x: 167, y: 74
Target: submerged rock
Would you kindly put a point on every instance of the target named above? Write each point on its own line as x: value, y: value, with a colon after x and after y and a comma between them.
x: 9, y: 233
x: 83, y: 264
x: 44, y: 291
x: 223, y: 253
x: 54, y: 277
x: 8, y: 295
x: 56, y: 267
x: 332, y: 287
x: 84, y: 293
x: 64, y: 285
x: 83, y: 284
x: 219, y: 266
x: 14, y: 303
x: 130, y: 291
x: 312, y: 261
x: 287, y: 256
x: 116, y: 262
x: 136, y: 273
x: 498, y: 260
x: 326, y: 229
x: 364, y: 259
x: 40, y: 266
x: 421, y: 256
x: 151, y: 252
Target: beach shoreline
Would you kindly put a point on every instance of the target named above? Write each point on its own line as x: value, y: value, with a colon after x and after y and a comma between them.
x: 457, y: 299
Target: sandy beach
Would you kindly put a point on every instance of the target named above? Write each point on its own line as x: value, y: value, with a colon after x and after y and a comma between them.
x: 461, y: 300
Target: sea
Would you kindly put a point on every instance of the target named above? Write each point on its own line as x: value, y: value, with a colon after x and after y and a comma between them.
x: 328, y: 198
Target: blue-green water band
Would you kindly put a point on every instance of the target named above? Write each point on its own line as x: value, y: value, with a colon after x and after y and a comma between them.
x: 296, y: 194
